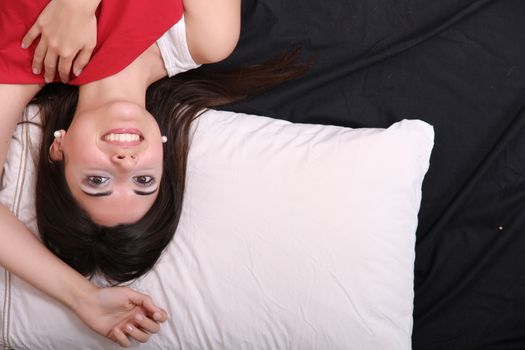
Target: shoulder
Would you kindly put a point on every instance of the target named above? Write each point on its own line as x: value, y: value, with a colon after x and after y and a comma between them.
x: 206, y: 48
x: 174, y: 50
x: 212, y: 28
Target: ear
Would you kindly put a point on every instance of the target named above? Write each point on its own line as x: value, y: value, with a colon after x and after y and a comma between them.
x: 55, y: 150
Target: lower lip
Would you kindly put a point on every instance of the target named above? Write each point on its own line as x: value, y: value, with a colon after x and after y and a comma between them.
x: 131, y: 131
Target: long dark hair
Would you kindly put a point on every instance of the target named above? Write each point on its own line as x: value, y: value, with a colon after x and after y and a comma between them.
x: 125, y: 252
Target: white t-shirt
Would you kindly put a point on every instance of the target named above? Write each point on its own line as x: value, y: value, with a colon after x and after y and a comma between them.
x: 174, y: 50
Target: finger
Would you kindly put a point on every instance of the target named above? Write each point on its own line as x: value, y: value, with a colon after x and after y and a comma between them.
x: 38, y: 57
x: 81, y: 61
x: 147, y: 324
x: 145, y: 301
x: 31, y: 35
x: 50, y: 66
x: 160, y: 316
x: 64, y: 68
x: 136, y: 333
x: 121, y: 338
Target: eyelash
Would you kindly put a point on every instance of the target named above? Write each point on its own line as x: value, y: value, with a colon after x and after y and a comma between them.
x: 143, y: 180
x: 149, y: 180
x: 97, y: 180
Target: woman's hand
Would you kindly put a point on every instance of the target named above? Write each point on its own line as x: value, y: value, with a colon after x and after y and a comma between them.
x: 68, y: 35
x: 118, y: 313
x: 107, y: 311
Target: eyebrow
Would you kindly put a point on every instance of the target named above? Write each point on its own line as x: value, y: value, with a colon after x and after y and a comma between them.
x: 108, y: 193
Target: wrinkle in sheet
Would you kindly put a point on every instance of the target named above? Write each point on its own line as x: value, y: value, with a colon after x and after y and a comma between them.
x: 348, y: 296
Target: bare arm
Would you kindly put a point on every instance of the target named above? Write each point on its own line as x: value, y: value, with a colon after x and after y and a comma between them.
x: 23, y: 254
x: 212, y: 28
x: 13, y: 99
x: 20, y: 252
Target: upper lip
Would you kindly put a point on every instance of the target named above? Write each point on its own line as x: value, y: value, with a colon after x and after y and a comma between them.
x: 131, y: 131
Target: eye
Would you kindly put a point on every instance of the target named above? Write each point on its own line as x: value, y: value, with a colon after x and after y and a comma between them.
x: 144, y: 180
x: 97, y: 180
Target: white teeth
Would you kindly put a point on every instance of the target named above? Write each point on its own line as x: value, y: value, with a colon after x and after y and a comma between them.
x: 122, y: 137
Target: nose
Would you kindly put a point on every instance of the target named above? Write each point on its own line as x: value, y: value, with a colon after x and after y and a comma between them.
x: 124, y: 161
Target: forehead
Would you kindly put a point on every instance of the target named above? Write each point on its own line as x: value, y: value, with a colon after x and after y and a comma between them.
x: 117, y: 208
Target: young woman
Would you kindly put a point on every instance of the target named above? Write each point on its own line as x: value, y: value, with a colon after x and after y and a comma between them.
x: 112, y: 312
x: 109, y: 192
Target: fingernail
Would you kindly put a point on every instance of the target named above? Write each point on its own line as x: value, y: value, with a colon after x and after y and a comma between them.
x: 36, y: 71
x: 139, y: 317
x: 157, y: 316
x: 77, y: 71
x: 117, y: 331
x: 47, y: 80
x: 129, y: 328
x: 23, y: 45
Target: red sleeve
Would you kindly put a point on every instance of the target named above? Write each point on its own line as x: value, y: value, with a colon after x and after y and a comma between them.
x: 125, y: 29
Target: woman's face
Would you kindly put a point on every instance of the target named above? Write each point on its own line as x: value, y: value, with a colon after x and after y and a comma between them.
x: 113, y: 162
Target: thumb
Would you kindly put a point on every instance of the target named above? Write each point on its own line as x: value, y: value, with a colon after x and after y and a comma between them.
x: 146, y: 302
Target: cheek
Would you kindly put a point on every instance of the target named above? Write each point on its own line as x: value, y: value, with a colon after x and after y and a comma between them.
x: 80, y: 149
x: 71, y: 181
x: 84, y: 157
x: 80, y: 142
x: 154, y: 158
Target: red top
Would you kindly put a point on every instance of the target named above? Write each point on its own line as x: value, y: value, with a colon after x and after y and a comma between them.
x: 125, y: 29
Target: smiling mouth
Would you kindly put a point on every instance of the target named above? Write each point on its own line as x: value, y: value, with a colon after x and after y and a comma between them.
x: 123, y: 137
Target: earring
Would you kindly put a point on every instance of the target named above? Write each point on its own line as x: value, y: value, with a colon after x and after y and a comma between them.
x: 164, y: 139
x: 57, y: 134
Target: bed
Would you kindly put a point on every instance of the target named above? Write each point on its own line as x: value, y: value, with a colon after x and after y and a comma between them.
x: 455, y: 70
x: 458, y: 65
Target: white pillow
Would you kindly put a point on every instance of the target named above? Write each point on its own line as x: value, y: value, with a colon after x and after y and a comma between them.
x: 292, y: 236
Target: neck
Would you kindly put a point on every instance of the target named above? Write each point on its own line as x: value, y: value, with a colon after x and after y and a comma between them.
x: 130, y: 84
